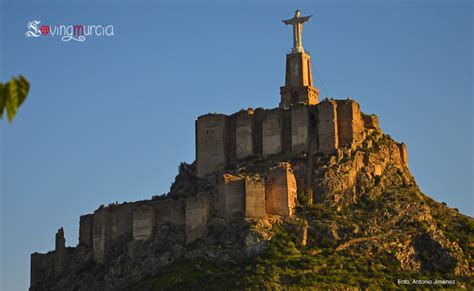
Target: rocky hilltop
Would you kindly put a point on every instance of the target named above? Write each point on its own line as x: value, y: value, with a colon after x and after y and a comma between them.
x: 359, y: 220
x: 307, y: 195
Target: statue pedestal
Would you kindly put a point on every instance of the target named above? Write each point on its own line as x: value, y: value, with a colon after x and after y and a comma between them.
x: 298, y: 81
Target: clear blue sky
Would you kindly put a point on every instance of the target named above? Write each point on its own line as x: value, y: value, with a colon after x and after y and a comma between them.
x: 111, y: 118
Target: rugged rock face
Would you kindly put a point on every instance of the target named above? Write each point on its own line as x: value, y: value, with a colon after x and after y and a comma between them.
x: 356, y: 219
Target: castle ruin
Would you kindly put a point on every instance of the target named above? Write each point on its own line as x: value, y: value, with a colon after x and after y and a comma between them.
x: 301, y: 125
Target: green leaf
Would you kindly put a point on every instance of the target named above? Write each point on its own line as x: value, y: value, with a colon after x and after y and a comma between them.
x: 24, y: 87
x: 12, y: 95
x: 11, y: 103
x: 2, y: 99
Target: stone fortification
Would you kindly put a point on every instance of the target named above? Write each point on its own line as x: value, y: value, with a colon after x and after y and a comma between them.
x: 223, y: 140
x: 210, y: 208
x: 233, y: 198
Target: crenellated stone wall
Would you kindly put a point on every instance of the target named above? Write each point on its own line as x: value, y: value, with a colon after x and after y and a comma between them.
x: 134, y: 220
x: 99, y: 231
x: 223, y: 140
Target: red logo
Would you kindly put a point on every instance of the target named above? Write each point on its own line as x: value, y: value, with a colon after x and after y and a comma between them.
x: 44, y: 29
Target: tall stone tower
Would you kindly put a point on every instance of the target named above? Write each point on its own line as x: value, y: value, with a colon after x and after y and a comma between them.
x: 298, y: 80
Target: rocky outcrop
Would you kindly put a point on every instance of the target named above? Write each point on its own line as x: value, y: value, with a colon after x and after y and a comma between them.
x: 364, y: 202
x: 437, y: 254
x: 353, y: 173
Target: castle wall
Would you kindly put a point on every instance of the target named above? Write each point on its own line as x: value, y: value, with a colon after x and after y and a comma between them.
x: 350, y: 125
x: 299, y: 128
x: 143, y: 222
x: 285, y: 131
x: 230, y: 140
x: 327, y: 127
x: 231, y: 192
x: 121, y: 216
x: 255, y: 197
x: 244, y: 135
x: 197, y: 213
x: 280, y: 190
x: 218, y: 200
x: 98, y: 230
x: 222, y: 140
x: 271, y: 132
x: 85, y: 230
x: 211, y: 154
x: 170, y: 212
x: 257, y: 134
x: 101, y: 233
